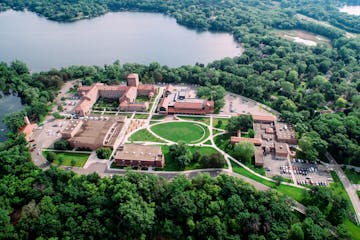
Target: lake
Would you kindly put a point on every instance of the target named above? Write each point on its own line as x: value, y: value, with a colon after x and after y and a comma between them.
x: 352, y: 10
x: 127, y: 36
x: 8, y: 104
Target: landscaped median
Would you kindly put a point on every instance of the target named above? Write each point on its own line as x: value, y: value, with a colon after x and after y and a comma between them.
x: 74, y: 159
x: 188, y: 132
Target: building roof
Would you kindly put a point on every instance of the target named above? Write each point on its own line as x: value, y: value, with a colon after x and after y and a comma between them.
x: 94, y: 131
x: 284, y: 131
x: 255, y: 141
x: 169, y: 88
x: 189, y: 105
x: 264, y: 118
x: 133, y: 75
x: 281, y: 149
x: 146, y: 87
x: 139, y: 152
x: 259, y: 157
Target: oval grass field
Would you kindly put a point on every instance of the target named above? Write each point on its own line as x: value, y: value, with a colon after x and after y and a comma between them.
x: 187, y: 132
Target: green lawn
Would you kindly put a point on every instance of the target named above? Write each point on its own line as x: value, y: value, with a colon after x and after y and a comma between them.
x: 158, y: 117
x: 358, y: 193
x: 353, y: 230
x: 170, y: 164
x: 339, y: 189
x: 181, y: 131
x: 293, y: 192
x: 208, y: 142
x: 80, y: 158
x: 205, y: 120
x: 223, y: 125
x: 144, y: 135
x: 353, y: 176
x: 141, y: 116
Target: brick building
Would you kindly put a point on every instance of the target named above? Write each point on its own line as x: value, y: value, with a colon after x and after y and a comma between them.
x: 178, y: 102
x: 136, y: 155
x: 126, y: 95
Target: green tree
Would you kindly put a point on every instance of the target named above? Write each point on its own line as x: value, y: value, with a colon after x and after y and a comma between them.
x: 50, y: 156
x: 215, y: 160
x: 243, y: 123
x: 103, y: 152
x: 244, y: 151
x: 62, y: 144
x: 296, y: 232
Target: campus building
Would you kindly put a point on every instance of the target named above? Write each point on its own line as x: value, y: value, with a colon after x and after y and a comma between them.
x: 270, y: 136
x: 126, y: 95
x: 136, y: 155
x: 94, y: 133
x: 179, y: 102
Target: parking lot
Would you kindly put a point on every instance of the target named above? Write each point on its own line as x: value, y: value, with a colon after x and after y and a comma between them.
x: 236, y: 104
x: 310, y: 173
x: 305, y: 173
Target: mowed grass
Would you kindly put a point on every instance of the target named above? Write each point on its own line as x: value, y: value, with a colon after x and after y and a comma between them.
x: 80, y: 158
x: 353, y: 176
x: 339, y: 189
x: 205, y: 120
x: 170, y: 165
x: 144, y: 135
x: 293, y: 192
x: 220, y: 123
x: 158, y: 117
x: 141, y: 116
x: 353, y: 230
x: 181, y: 131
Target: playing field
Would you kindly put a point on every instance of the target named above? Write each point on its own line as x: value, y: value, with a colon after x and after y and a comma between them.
x: 181, y: 131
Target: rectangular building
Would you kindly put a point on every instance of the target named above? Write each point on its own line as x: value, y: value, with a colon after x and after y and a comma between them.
x: 136, y: 155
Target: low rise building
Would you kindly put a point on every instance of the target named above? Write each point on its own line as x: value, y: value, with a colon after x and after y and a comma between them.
x: 94, y: 133
x: 179, y: 102
x: 126, y: 95
x: 285, y: 133
x: 136, y: 155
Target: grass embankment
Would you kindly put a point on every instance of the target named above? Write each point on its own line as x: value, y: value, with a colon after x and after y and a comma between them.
x: 170, y: 165
x: 339, y: 189
x: 80, y: 158
x: 181, y: 131
x: 352, y: 175
x: 144, y: 135
x: 205, y: 120
x: 220, y: 123
x: 293, y: 192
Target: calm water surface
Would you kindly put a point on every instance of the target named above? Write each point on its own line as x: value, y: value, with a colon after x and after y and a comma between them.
x: 127, y: 36
x: 8, y: 104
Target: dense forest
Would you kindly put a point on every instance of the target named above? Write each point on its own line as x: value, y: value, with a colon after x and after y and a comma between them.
x: 57, y: 204
x: 314, y: 88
